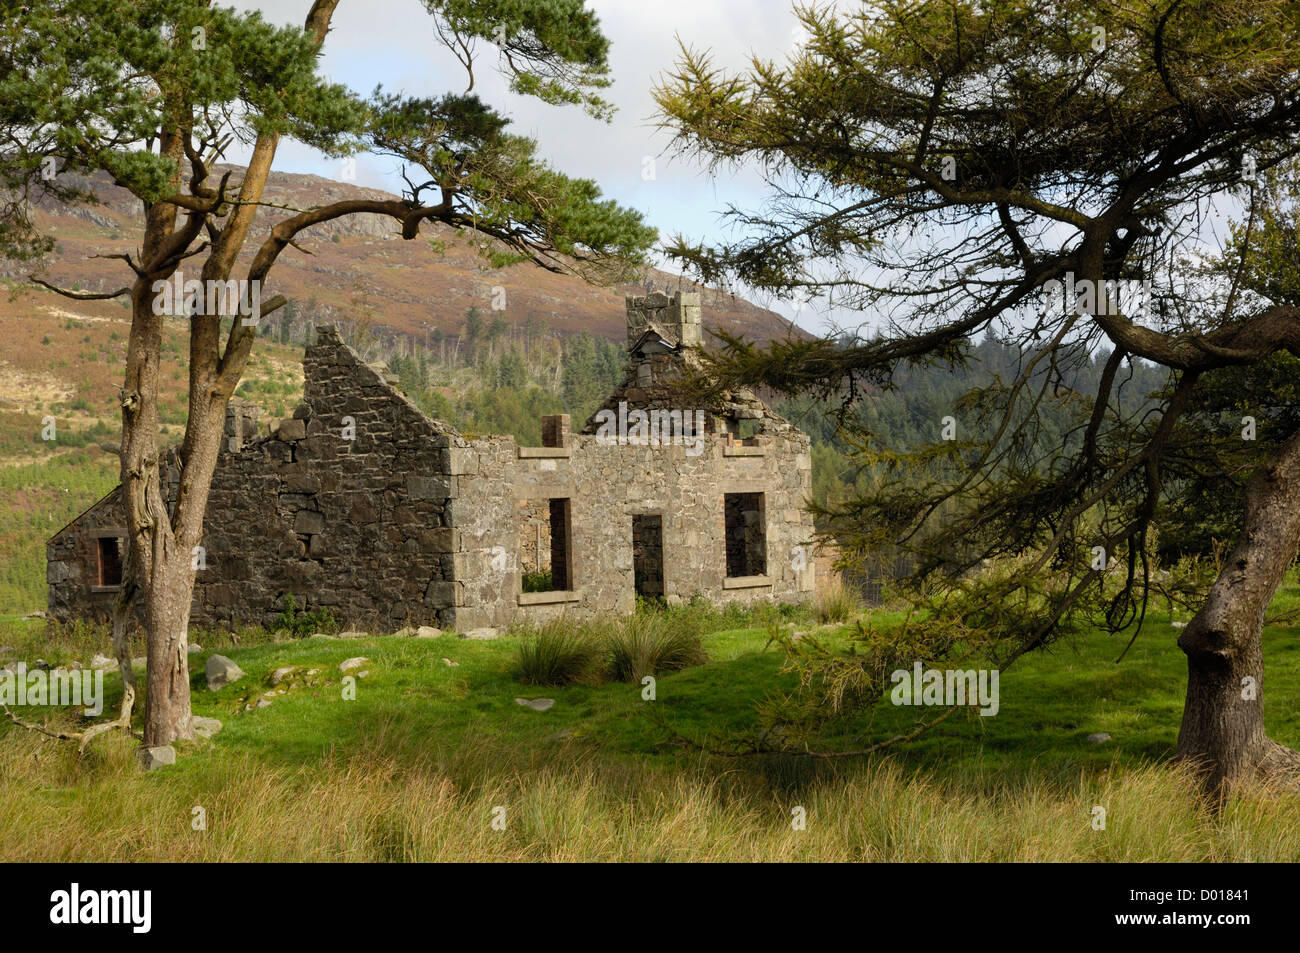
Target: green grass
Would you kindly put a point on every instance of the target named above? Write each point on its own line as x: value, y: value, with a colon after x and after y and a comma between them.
x: 413, y: 766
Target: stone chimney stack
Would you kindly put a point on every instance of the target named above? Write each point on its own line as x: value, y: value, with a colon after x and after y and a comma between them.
x: 555, y: 431
x: 677, y: 318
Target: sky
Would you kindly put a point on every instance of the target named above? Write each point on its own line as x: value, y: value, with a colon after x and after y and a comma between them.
x: 393, y: 42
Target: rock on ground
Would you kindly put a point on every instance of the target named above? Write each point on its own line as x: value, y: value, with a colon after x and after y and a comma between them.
x: 221, y: 672
x: 151, y: 759
x: 205, y: 727
x: 1098, y: 738
x: 427, y: 632
x: 484, y: 633
x: 352, y: 664
x: 280, y: 674
x: 536, y: 704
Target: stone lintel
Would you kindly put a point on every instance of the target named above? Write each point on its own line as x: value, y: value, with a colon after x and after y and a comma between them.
x: 537, y: 453
x: 550, y: 598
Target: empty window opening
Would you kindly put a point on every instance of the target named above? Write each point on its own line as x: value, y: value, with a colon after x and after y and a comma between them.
x: 561, y: 549
x: 746, y: 534
x: 110, y: 560
x: 648, y: 555
x: 545, y: 559
x: 534, y: 521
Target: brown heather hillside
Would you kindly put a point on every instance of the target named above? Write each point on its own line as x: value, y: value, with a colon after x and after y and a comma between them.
x: 360, y: 265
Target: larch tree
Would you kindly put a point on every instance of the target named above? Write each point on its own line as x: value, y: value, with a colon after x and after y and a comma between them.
x: 154, y: 93
x: 1049, y: 173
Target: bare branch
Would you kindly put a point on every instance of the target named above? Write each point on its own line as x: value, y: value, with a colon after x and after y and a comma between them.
x: 80, y: 295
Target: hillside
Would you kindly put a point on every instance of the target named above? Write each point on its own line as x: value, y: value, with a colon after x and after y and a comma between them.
x: 360, y: 264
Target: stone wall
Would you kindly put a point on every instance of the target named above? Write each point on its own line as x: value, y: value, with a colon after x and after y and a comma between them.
x: 344, y: 506
x: 534, y: 520
x: 607, y: 486
x: 72, y: 561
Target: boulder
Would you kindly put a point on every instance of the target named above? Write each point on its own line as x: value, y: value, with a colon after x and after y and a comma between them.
x: 354, y: 634
x: 1098, y: 738
x: 484, y: 633
x: 352, y: 664
x: 205, y: 727
x: 102, y: 663
x: 280, y: 674
x: 427, y: 632
x: 221, y: 672
x: 151, y: 759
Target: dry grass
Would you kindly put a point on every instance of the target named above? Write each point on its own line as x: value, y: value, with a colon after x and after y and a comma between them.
x: 573, y: 808
x: 837, y: 602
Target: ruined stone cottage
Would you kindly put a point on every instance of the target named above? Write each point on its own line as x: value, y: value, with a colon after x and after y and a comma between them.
x: 361, y: 504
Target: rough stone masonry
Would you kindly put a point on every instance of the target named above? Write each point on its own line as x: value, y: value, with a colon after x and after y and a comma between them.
x: 361, y: 504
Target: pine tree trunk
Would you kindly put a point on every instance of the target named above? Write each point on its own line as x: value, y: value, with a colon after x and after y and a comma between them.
x: 162, y: 539
x: 167, y: 618
x: 1222, y: 732
x: 151, y: 550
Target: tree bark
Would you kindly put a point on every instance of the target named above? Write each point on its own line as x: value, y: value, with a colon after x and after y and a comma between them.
x: 152, y: 549
x: 1222, y: 733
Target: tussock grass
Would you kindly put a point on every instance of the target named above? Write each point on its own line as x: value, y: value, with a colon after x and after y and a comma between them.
x: 651, y: 644
x: 373, y: 807
x: 560, y: 653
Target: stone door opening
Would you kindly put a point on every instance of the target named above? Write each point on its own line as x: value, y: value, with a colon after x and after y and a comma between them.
x: 648, y: 555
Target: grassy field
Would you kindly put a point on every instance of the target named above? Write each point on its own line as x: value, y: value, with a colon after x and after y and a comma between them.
x: 428, y: 754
